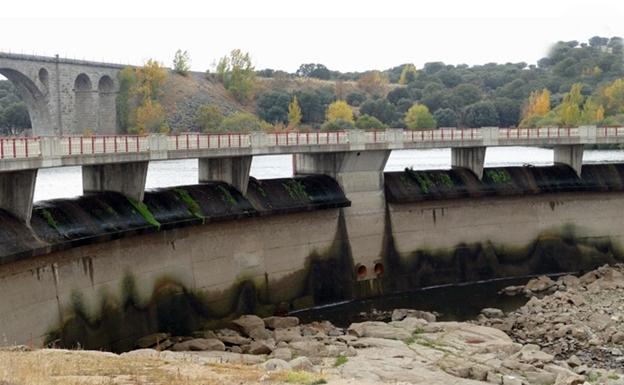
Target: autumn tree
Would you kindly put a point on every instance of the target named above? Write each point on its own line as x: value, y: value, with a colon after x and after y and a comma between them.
x: 373, y: 82
x: 294, y: 113
x: 613, y: 96
x: 538, y: 105
x: 419, y: 117
x: 569, y: 110
x: 339, y: 110
x: 237, y: 74
x: 593, y: 112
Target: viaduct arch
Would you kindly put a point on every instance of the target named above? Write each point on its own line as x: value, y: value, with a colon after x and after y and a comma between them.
x: 63, y: 96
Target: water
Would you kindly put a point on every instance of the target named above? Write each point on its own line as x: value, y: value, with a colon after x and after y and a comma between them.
x: 67, y: 181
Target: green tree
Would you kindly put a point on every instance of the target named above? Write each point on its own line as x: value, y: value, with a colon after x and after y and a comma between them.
x: 337, y: 125
x: 15, y: 118
x: 367, y: 122
x: 294, y: 113
x: 397, y: 94
x: 209, y: 118
x: 445, y: 117
x: 508, y: 111
x: 237, y: 74
x: 382, y: 109
x: 182, y: 62
x: 339, y: 110
x: 408, y: 74
x: 355, y: 98
x: 272, y: 106
x: 243, y: 122
x: 419, y: 117
x: 481, y: 114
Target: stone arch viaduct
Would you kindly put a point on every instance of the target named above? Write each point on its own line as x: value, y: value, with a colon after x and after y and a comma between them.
x: 64, y: 96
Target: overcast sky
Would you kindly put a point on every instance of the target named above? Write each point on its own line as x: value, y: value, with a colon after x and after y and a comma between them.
x: 281, y: 34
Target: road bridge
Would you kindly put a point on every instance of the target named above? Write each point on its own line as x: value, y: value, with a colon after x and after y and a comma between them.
x: 355, y: 158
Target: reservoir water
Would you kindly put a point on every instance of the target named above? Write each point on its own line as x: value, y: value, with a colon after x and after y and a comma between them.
x: 67, y: 182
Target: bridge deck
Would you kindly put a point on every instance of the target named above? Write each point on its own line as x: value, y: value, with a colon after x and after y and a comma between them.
x: 21, y: 153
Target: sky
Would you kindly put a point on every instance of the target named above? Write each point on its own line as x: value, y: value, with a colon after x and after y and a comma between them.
x: 282, y: 34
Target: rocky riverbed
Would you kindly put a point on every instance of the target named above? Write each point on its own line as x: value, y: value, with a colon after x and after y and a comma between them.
x: 568, y: 333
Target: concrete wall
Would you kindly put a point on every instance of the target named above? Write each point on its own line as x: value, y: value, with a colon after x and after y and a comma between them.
x: 40, y: 294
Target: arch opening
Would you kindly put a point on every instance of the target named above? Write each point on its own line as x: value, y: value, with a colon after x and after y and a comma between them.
x: 85, y: 107
x: 106, y: 114
x: 39, y: 117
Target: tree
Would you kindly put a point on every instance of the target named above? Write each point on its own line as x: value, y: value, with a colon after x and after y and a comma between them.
x: 209, y: 118
x: 237, y: 74
x: 243, y: 122
x: 313, y: 103
x: 508, y: 111
x: 445, y: 117
x: 367, y: 122
x: 373, y: 83
x: 355, y: 98
x: 465, y: 94
x: 382, y: 109
x: 419, y: 117
x: 181, y: 62
x: 312, y: 70
x: 294, y: 113
x: 15, y: 118
x: 593, y: 112
x: 613, y: 96
x: 569, y: 110
x: 408, y: 74
x: 537, y: 105
x: 339, y: 110
x: 272, y: 106
x: 397, y: 94
x: 481, y: 114
x: 150, y: 117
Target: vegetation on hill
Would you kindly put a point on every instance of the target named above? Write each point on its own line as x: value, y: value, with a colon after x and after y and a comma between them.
x: 576, y: 83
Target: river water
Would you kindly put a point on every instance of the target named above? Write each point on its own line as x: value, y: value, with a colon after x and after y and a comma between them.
x: 67, y: 181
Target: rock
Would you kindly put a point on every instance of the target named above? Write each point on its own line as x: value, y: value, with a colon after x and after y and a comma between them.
x: 231, y: 337
x: 494, y: 378
x: 143, y: 353
x: 400, y: 314
x: 511, y: 380
x: 287, y: 334
x: 199, y: 344
x: 410, y: 324
x: 531, y: 354
x: 540, y: 377
x: 282, y: 353
x: 539, y: 284
x: 205, y: 334
x: 310, y: 349
x: 377, y: 329
x: 512, y: 290
x: 563, y: 379
x: 261, y: 347
x: 151, y: 340
x: 574, y: 361
x: 569, y: 281
x: 275, y: 364
x: 301, y: 363
x: 281, y: 322
x: 491, y: 312
x: 260, y: 334
x: 617, y: 338
x: 245, y: 324
x: 234, y: 349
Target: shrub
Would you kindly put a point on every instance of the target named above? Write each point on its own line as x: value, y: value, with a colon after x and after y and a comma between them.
x: 355, y: 98
x: 243, y: 122
x: 445, y: 117
x: 209, y: 118
x: 339, y: 110
x: 418, y: 116
x: 337, y: 125
x: 366, y: 122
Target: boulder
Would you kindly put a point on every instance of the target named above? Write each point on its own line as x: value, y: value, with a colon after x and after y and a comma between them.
x: 399, y: 314
x: 288, y: 334
x: 377, y: 329
x: 245, y: 324
x: 491, y: 312
x: 261, y: 347
x: 199, y: 344
x: 539, y: 284
x: 301, y: 363
x: 281, y: 322
x: 282, y: 353
x: 260, y: 334
x: 275, y: 364
x: 151, y: 340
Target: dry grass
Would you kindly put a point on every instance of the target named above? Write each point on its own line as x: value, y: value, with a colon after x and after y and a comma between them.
x: 49, y: 367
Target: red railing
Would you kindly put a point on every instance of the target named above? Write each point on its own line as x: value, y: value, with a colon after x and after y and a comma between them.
x: 537, y: 133
x: 442, y: 135
x: 307, y: 138
x: 91, y: 145
x: 206, y: 141
x: 19, y: 147
x: 610, y: 131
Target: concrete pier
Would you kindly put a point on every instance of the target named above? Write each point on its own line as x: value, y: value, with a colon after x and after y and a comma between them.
x: 17, y: 189
x: 571, y: 155
x: 471, y: 158
x: 234, y: 171
x: 124, y: 178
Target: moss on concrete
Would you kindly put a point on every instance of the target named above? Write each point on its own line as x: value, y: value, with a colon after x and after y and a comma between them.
x: 142, y: 209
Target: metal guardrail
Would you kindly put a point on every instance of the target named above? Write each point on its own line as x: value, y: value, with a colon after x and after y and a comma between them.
x: 70, y: 146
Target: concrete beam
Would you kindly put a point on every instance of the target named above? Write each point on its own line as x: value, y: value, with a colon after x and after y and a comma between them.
x: 125, y: 178
x: 355, y: 170
x: 571, y: 155
x: 17, y: 189
x: 471, y: 158
x: 233, y: 170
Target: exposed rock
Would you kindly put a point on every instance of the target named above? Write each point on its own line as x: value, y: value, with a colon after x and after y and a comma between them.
x: 281, y: 322
x: 261, y: 347
x: 275, y: 364
x: 282, y: 353
x: 539, y: 284
x: 379, y: 330
x: 151, y: 340
x: 491, y: 312
x: 260, y: 334
x: 399, y: 314
x: 246, y: 323
x: 288, y: 334
x: 301, y: 363
x: 199, y: 344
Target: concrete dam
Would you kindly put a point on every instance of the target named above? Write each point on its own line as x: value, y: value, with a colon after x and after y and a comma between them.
x: 101, y: 270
